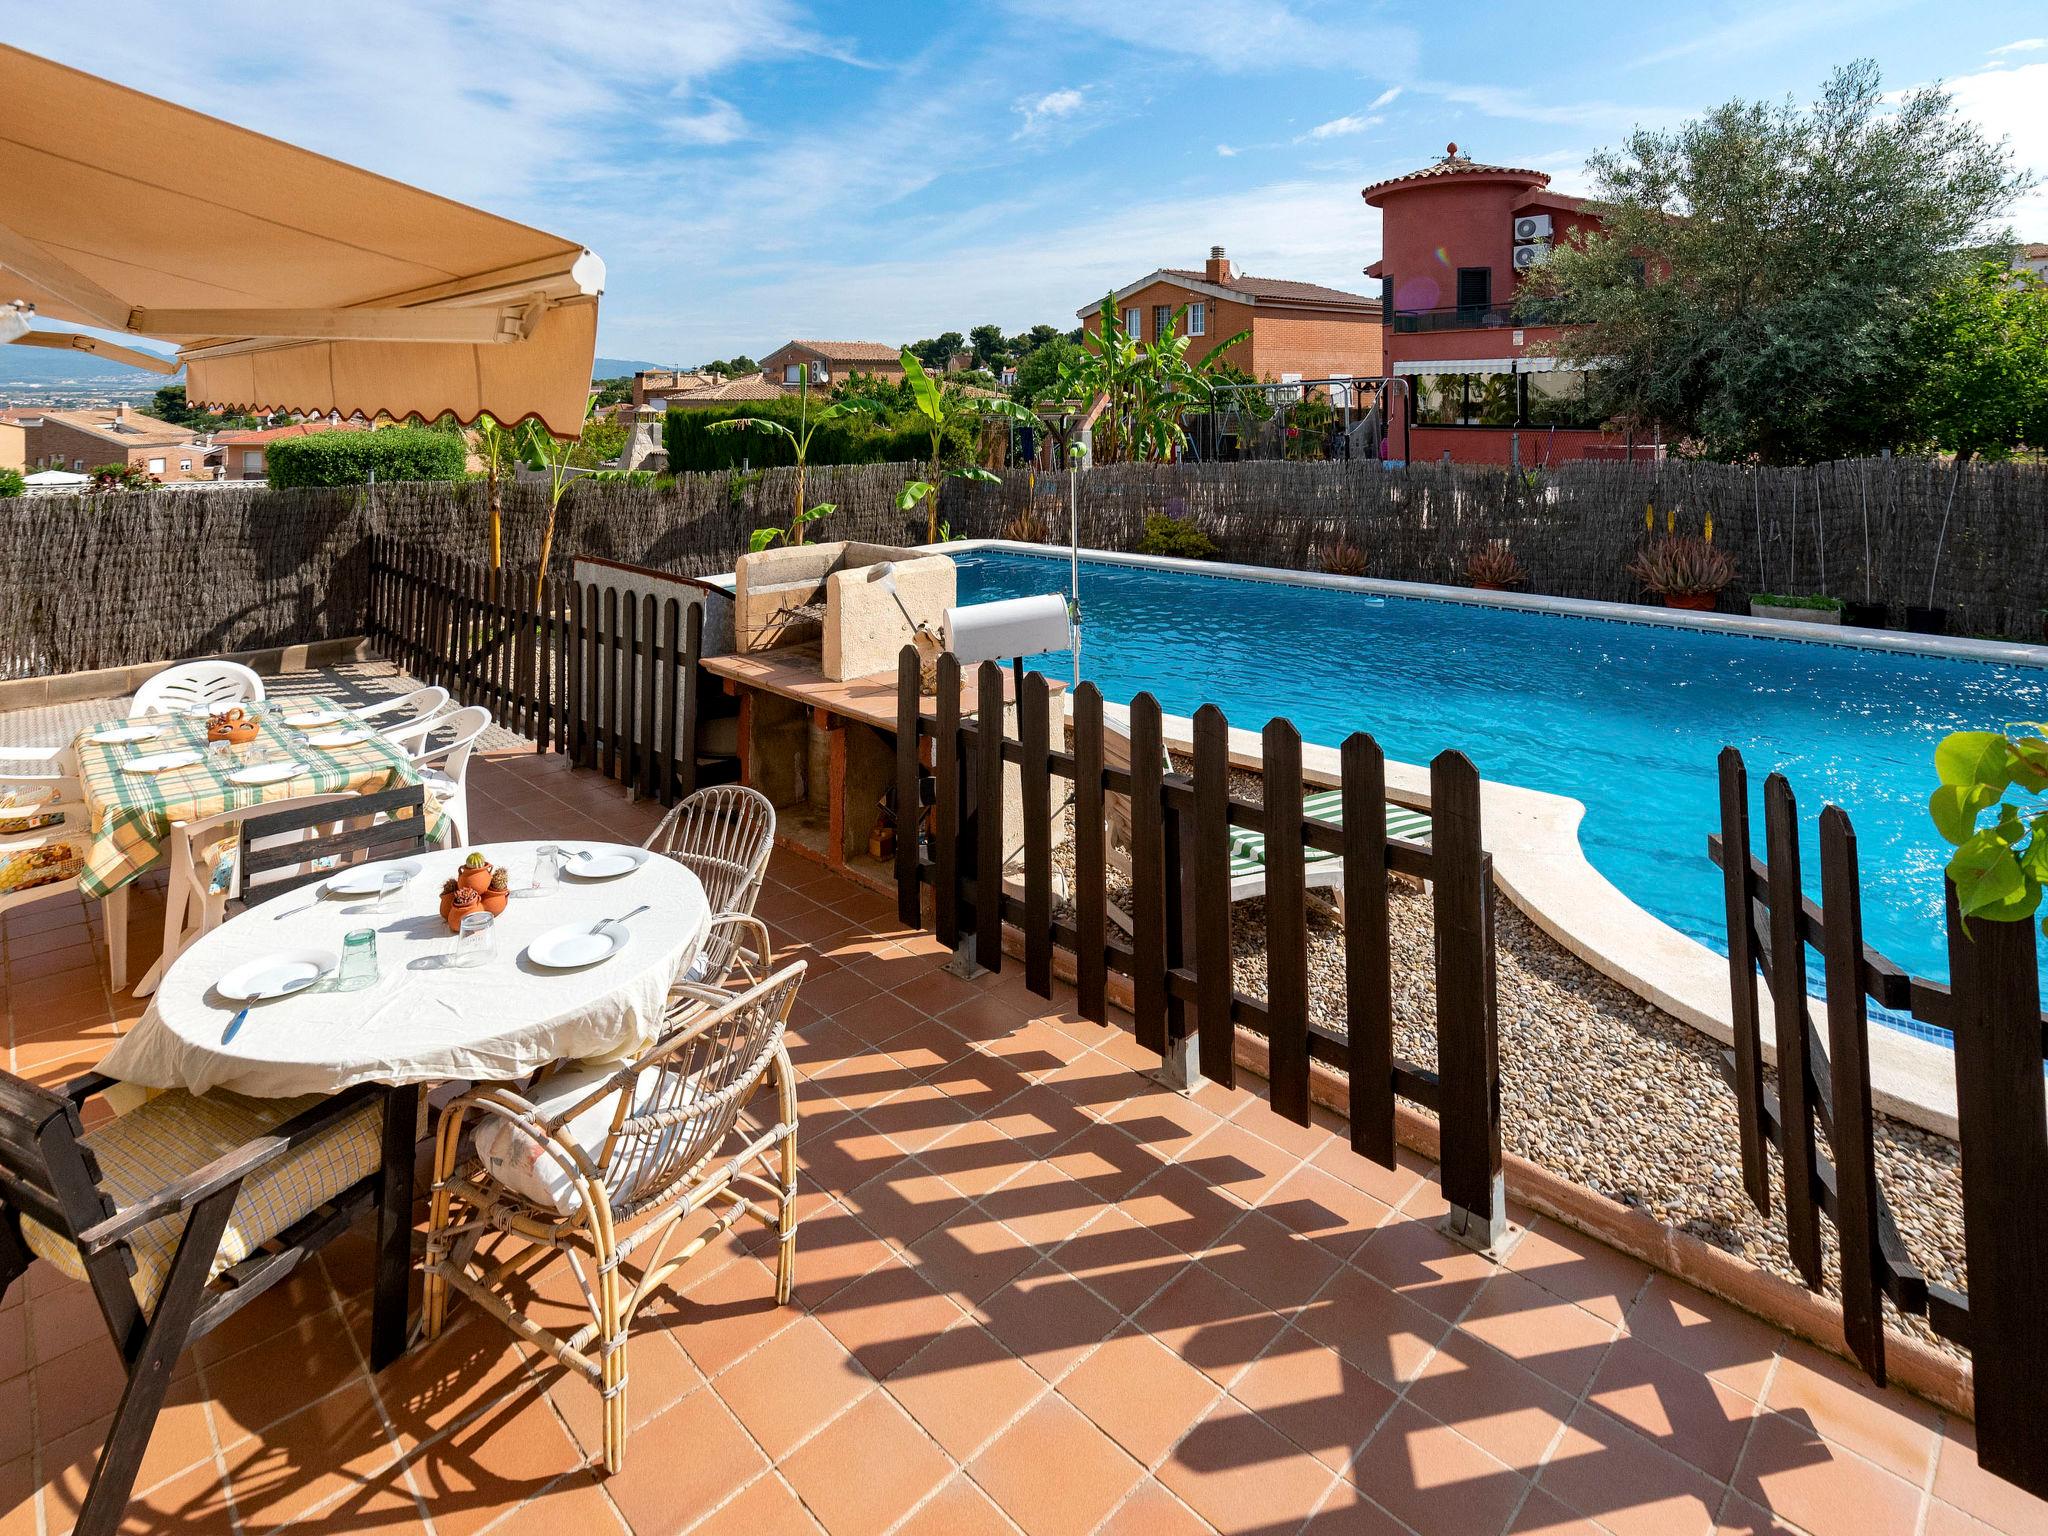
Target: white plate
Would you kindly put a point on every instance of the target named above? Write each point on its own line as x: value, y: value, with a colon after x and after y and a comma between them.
x: 119, y: 735
x: 573, y: 945
x: 314, y: 719
x: 278, y: 975
x: 368, y: 879
x: 158, y: 762
x: 340, y: 738
x: 266, y: 773
x: 603, y: 863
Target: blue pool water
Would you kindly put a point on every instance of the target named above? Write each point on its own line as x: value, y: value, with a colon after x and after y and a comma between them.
x: 1626, y: 718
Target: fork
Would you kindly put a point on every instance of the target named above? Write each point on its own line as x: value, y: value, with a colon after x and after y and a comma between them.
x: 618, y: 922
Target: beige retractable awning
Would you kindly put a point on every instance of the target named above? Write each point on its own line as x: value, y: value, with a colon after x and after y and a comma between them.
x: 288, y: 281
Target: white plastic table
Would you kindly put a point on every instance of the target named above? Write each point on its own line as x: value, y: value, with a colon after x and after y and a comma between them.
x: 425, y: 1021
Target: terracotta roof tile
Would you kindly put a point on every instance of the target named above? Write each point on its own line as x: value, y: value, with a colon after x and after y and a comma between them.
x: 1455, y: 164
x: 1278, y: 288
x: 850, y: 351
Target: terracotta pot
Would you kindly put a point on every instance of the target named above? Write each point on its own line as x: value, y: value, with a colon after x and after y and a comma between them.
x: 1697, y: 602
x: 478, y: 879
x: 495, y: 902
x: 1489, y: 586
x: 458, y: 910
x: 447, y: 902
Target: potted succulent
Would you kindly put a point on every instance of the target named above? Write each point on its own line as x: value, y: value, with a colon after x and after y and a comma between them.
x: 1343, y: 557
x: 1800, y: 610
x: 1494, y: 568
x: 1684, y: 569
x: 475, y: 874
x: 460, y: 904
x: 498, y: 894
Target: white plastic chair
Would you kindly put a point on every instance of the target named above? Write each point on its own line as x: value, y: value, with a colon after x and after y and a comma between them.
x: 198, y: 898
x: 37, y: 862
x: 444, y: 766
x: 197, y: 688
x: 411, y: 717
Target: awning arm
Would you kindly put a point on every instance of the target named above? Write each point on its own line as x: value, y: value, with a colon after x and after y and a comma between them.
x: 473, y: 325
x: 72, y: 341
x: 54, y: 275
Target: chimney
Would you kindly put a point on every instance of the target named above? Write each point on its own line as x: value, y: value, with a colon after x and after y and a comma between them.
x: 1218, y: 269
x: 120, y: 411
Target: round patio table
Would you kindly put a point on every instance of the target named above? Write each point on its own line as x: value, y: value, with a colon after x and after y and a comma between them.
x: 424, y: 1020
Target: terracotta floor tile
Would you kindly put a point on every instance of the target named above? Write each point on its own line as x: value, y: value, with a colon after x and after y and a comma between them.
x: 925, y: 1111
x: 1054, y: 1472
x: 1163, y: 1122
x: 1706, y: 1334
x: 1390, y: 1186
x: 1332, y: 1214
x: 1386, y: 1336
x: 1000, y: 1028
x: 181, y: 1439
x: 765, y: 1507
x: 1181, y: 1208
x: 195, y: 1503
x: 19, y: 1502
x: 958, y: 1509
x: 1210, y: 1323
x: 1047, y: 1319
x: 1153, y: 1509
x: 334, y: 1457
x: 914, y: 1040
x: 1790, y: 1471
x: 62, y: 1320
x: 1042, y: 1205
x: 506, y: 1455
x: 1124, y: 1262
x: 1898, y: 1432
x: 1580, y: 1269
x: 834, y: 1248
x: 433, y: 1387
x: 888, y: 1316
x: 1433, y: 1478
x: 1414, y: 1260
x: 732, y: 1312
x: 975, y: 1156
x: 1558, y: 1341
x: 1947, y: 1520
x: 1739, y: 1517
x: 867, y: 1469
x: 1510, y: 1413
x: 682, y: 1463
x: 1099, y: 1088
x: 571, y: 1504
x: 1270, y: 1262
x: 78, y: 1387
x: 791, y: 1385
x: 1603, y: 1469
x: 1240, y: 1474
x: 934, y: 991
x: 14, y: 1356
x: 1692, y: 1416
x: 1544, y: 1516
x: 971, y: 1257
x: 905, y: 1202
x: 1105, y: 1162
x: 287, y: 1371
x: 964, y: 1388
x: 1142, y: 1394
x: 1245, y: 1167
x: 1960, y: 1481
x: 1314, y: 1398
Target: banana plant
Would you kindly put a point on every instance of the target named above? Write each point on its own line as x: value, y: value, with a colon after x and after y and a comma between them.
x: 941, y: 410
x: 799, y: 440
x: 2000, y: 868
x: 541, y: 449
x: 498, y: 449
x: 1148, y: 387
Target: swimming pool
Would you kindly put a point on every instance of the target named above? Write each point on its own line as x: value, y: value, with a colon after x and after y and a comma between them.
x: 1625, y: 717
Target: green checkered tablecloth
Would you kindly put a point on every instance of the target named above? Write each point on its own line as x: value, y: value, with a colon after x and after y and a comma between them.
x: 132, y: 813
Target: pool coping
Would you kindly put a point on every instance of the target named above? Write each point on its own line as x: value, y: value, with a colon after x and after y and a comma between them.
x: 1538, y: 861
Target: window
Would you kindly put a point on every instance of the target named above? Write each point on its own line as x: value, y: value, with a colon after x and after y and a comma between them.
x: 1559, y: 399
x: 792, y: 373
x: 1162, y: 321
x: 1475, y: 287
x: 156, y: 466
x: 78, y: 466
x: 1133, y: 319
x: 1387, y: 299
x: 184, y: 465
x: 1530, y: 400
x: 1198, y: 319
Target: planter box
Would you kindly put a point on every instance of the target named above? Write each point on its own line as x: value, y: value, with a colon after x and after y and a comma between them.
x: 1796, y: 614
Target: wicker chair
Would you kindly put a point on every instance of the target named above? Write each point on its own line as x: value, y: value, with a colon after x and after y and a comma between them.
x: 605, y: 1162
x: 724, y: 835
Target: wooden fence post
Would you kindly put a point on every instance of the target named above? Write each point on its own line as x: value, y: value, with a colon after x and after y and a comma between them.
x: 909, y: 796
x: 1208, y: 865
x: 1091, y: 900
x: 1788, y: 1010
x: 1368, y: 951
x: 2000, y: 1109
x: 1034, y: 780
x: 988, y: 817
x: 693, y: 698
x: 1467, y: 1026
x: 1737, y: 907
x: 1286, y: 922
x: 1148, y: 877
x: 946, y: 805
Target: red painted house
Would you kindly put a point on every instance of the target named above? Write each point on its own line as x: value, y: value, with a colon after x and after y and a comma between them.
x: 1456, y: 237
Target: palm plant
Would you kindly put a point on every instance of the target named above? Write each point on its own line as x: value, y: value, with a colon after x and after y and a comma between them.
x: 498, y: 449
x: 941, y: 410
x: 542, y: 450
x: 799, y: 440
x: 1148, y: 387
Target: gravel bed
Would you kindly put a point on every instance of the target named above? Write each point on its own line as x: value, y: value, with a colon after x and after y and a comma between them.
x: 1605, y: 1089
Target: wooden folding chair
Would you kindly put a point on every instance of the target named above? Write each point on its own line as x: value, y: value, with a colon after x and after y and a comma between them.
x: 290, y: 848
x: 184, y: 1210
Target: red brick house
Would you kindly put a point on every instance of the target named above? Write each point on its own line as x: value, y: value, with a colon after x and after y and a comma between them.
x: 1298, y: 330
x: 1457, y: 238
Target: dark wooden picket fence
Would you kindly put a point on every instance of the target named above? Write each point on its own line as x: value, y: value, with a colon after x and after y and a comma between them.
x: 1992, y: 1005
x: 585, y: 670
x: 1178, y: 956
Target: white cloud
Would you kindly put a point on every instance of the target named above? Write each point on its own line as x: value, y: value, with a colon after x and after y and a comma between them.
x: 1385, y: 98
x: 1042, y: 111
x: 1341, y: 127
x: 1236, y: 36
x: 2006, y: 103
x: 1771, y: 24
x: 716, y: 122
x: 1228, y: 151
x: 2024, y: 45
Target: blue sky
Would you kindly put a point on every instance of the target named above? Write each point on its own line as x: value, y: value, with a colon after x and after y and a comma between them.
x: 762, y: 169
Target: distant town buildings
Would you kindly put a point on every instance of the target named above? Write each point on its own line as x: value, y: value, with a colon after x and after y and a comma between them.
x: 82, y: 440
x: 825, y: 361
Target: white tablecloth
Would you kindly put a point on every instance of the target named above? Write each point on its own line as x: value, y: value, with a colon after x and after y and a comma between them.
x: 424, y: 1021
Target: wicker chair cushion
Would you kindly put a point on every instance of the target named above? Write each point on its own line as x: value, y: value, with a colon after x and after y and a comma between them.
x: 541, y: 1174
x: 174, y: 1133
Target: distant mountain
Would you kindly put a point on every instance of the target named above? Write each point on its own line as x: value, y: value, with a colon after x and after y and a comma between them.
x: 45, y: 366
x: 618, y: 367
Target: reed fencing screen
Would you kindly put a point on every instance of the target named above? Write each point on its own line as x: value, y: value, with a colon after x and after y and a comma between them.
x: 101, y: 581
x: 1178, y: 958
x: 1992, y: 1006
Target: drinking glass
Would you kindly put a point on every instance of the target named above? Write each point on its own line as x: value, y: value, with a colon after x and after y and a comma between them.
x: 358, y: 961
x: 547, y: 868
x: 475, y: 943
x: 389, y: 884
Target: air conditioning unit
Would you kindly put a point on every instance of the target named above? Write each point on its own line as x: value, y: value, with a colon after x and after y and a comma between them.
x: 1528, y: 257
x: 1532, y: 226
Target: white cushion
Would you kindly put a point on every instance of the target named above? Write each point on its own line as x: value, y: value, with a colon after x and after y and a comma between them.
x: 539, y: 1172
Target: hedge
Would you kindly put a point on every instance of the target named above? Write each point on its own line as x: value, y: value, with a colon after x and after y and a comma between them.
x: 692, y: 445
x: 345, y: 457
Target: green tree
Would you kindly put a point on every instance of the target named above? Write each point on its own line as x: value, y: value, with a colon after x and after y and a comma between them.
x: 799, y: 440
x: 612, y: 391
x: 347, y: 457
x: 171, y: 405
x: 1973, y: 374
x: 1039, y: 370
x: 1760, y: 266
x: 11, y: 483
x: 1024, y: 343
x: 1147, y: 387
x: 542, y: 450
x: 937, y: 351
x: 602, y: 440
x: 991, y: 351
x: 943, y: 413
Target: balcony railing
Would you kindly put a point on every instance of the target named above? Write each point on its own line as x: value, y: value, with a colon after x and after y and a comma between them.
x: 1472, y: 317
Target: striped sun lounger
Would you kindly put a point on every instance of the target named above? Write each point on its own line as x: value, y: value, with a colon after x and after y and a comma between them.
x: 1248, y: 849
